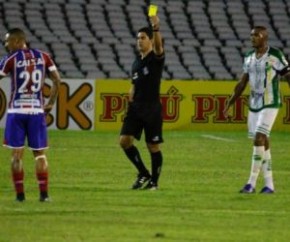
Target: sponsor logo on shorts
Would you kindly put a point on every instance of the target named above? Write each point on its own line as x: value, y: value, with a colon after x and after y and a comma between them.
x: 156, y: 138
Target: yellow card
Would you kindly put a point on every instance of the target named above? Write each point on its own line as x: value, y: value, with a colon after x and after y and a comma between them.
x: 152, y: 10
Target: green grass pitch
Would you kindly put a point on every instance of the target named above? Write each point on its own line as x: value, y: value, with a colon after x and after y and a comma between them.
x: 198, y: 199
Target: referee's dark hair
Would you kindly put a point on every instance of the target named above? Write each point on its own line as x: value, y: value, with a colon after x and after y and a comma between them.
x: 148, y: 31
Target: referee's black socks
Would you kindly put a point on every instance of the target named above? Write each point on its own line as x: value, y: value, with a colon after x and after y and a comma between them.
x: 134, y: 156
x: 156, y: 164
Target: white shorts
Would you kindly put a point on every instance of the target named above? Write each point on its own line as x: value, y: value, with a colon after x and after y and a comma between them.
x: 261, y: 121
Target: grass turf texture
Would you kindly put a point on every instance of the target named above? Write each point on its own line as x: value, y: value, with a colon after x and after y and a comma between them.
x: 198, y: 199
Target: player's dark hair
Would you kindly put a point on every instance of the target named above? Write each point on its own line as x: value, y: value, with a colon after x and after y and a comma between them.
x: 148, y: 31
x: 260, y: 28
x: 17, y: 32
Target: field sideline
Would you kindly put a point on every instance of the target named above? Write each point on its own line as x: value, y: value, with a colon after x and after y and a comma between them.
x: 198, y: 199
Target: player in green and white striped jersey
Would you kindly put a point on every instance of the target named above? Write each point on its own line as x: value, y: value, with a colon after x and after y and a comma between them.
x: 262, y: 69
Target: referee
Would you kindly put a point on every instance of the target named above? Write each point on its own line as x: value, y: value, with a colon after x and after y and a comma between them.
x: 144, y: 109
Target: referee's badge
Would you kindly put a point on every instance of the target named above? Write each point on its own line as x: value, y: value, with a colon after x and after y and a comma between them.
x: 145, y: 71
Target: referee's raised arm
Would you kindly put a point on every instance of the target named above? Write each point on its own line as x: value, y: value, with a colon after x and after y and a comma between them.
x: 157, y: 38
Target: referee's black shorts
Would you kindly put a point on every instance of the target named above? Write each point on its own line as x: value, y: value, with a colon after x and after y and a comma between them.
x: 147, y: 116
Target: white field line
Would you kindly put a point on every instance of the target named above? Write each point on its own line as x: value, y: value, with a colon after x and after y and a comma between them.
x: 208, y: 136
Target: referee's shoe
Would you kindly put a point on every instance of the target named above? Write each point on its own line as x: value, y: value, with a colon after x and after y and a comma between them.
x: 140, y: 181
x: 151, y: 186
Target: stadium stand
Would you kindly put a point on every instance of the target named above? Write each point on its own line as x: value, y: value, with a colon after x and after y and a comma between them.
x: 204, y: 39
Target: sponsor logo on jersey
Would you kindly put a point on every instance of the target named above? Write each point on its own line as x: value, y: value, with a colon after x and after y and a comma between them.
x: 29, y: 62
x: 135, y: 76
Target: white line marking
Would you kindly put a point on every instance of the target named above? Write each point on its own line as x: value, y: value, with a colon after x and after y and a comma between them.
x: 216, y: 138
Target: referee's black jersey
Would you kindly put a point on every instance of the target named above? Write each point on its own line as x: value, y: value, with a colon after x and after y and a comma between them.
x: 146, y: 77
